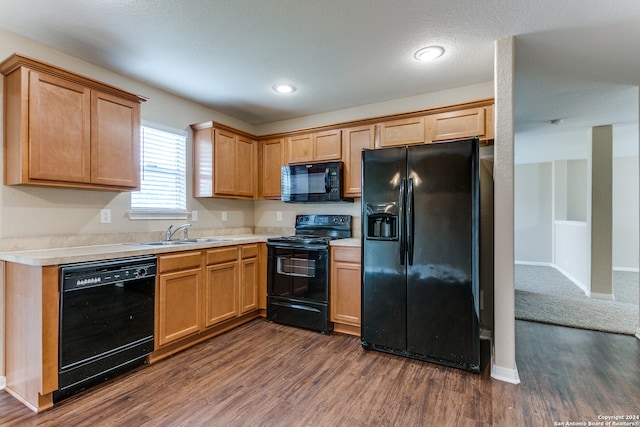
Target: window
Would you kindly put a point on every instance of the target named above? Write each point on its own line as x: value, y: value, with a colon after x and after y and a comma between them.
x: 163, y: 169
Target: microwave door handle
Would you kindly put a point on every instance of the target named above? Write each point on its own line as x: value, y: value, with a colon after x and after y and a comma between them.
x: 327, y: 181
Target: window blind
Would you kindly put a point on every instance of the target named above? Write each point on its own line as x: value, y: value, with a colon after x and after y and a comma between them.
x: 163, y: 166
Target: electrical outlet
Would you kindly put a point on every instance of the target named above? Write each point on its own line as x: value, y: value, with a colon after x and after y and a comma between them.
x: 224, y: 216
x: 105, y: 216
x: 194, y: 215
x: 279, y: 216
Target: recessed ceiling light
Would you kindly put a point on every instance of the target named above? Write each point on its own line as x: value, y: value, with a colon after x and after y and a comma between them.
x: 284, y: 88
x: 429, y: 53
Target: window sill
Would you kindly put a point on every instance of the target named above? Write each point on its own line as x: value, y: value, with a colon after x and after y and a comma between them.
x: 157, y: 215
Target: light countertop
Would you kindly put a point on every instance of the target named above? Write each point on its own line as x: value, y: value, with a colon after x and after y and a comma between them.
x: 353, y: 242
x: 75, y: 254
x: 67, y: 255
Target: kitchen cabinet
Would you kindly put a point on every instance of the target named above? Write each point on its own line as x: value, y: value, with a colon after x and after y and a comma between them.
x: 345, y: 289
x: 405, y: 131
x: 249, y: 276
x: 272, y: 159
x: 178, y: 296
x: 31, y: 333
x: 354, y: 140
x: 314, y: 147
x: 222, y: 285
x: 462, y: 124
x: 231, y: 287
x: 203, y: 293
x: 224, y: 162
x: 65, y: 130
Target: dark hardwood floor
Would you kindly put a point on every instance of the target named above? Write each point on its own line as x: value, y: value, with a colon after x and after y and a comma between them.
x: 263, y: 374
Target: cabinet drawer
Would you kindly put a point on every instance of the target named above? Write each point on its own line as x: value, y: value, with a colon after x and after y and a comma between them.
x: 178, y: 261
x: 218, y: 256
x: 249, y: 251
x: 347, y: 255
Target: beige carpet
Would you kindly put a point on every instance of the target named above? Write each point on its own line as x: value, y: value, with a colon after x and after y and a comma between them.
x: 545, y: 295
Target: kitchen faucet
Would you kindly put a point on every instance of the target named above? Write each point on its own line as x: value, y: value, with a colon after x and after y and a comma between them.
x: 170, y: 231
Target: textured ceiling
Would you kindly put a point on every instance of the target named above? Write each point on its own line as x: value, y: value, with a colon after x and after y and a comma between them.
x: 343, y: 53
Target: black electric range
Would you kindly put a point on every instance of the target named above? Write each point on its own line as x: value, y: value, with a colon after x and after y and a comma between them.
x: 298, y: 271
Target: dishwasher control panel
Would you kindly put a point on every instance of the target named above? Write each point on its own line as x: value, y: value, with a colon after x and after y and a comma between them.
x: 76, y: 276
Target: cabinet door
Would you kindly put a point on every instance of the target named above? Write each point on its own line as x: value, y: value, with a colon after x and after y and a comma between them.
x: 221, y: 293
x: 224, y: 163
x: 345, y: 286
x: 249, y: 275
x: 59, y: 129
x: 272, y: 161
x: 115, y: 141
x: 300, y: 148
x: 245, y: 165
x: 328, y: 145
x: 178, y: 307
x: 203, y: 162
x: 354, y: 140
x: 402, y: 132
x: 457, y: 124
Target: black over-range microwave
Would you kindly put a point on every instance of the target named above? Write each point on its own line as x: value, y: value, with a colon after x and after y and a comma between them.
x: 312, y: 182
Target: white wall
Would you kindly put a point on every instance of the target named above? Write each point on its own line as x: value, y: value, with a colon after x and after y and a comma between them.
x: 533, y: 213
x: 569, y: 151
x: 572, y: 252
x: 504, y: 345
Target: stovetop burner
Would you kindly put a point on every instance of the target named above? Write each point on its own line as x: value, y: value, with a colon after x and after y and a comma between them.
x: 317, y: 230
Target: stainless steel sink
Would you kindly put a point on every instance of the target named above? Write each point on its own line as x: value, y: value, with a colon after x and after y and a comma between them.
x: 181, y: 242
x: 206, y: 240
x: 162, y: 243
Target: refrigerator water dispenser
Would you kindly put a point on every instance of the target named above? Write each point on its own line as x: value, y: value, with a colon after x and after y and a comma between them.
x: 382, y: 221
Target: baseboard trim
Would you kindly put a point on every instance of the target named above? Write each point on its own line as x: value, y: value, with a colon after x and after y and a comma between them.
x: 628, y: 269
x: 501, y: 373
x: 609, y: 297
x: 573, y: 279
x: 535, y: 263
x: 3, y: 382
x: 638, y: 332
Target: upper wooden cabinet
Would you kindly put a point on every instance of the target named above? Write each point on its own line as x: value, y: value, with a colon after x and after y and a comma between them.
x: 444, y: 126
x: 224, y: 162
x: 65, y: 130
x: 354, y: 140
x: 402, y: 132
x: 272, y: 159
x: 462, y: 124
x: 314, y: 147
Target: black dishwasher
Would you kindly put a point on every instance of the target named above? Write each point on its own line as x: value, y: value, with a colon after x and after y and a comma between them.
x: 106, y: 320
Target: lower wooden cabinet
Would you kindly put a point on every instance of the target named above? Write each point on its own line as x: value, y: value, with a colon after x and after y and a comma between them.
x: 178, y: 297
x: 345, y: 290
x: 221, y: 287
x: 249, y: 276
x: 202, y: 293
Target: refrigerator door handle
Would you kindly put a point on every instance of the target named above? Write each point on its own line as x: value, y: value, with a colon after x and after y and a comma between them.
x: 401, y: 209
x: 410, y: 224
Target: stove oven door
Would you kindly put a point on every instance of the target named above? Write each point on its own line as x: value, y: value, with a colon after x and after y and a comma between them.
x: 298, y: 286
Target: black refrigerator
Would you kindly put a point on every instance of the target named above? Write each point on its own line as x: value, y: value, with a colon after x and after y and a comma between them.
x: 420, y: 240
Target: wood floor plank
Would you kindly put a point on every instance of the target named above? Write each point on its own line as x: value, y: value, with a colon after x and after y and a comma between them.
x: 264, y: 374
